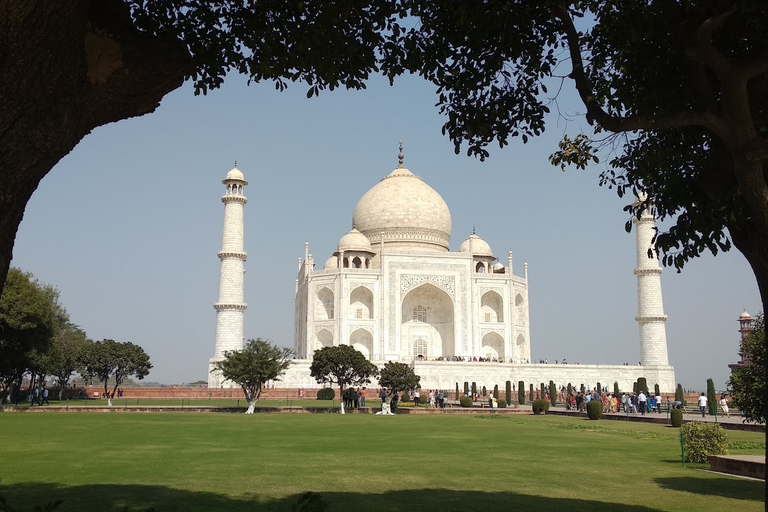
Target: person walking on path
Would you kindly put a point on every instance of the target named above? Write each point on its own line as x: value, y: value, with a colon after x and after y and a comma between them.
x: 703, y: 405
x: 724, y: 406
x: 45, y: 397
x: 641, y: 403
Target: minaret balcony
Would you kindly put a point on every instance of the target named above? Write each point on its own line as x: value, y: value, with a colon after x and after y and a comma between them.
x: 223, y: 306
x: 233, y: 254
x: 657, y: 318
x: 648, y: 271
x: 232, y: 198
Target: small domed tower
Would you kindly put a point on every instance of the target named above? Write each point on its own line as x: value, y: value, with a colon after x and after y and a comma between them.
x: 230, y: 306
x: 481, y: 254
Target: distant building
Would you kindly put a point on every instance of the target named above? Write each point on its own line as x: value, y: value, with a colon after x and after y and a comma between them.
x: 746, y: 325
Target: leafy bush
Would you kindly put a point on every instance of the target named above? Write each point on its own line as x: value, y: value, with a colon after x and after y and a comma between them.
x: 423, y: 399
x: 466, y: 401
x: 642, y: 385
x: 502, y: 404
x: 676, y: 416
x: 405, y: 397
x: 595, y: 410
x: 326, y: 394
x: 703, y: 439
x: 540, y: 406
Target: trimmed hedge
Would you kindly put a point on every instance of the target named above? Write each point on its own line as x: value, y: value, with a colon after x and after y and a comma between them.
x: 509, y: 393
x: 552, y: 393
x: 423, y: 399
x: 521, y: 392
x: 502, y: 404
x: 595, y: 410
x: 405, y: 397
x: 457, y: 392
x: 466, y: 401
x: 702, y: 440
x: 326, y: 394
x: 711, y: 397
x: 496, y: 392
x: 616, y: 389
x: 540, y: 406
x: 530, y: 395
x: 676, y: 417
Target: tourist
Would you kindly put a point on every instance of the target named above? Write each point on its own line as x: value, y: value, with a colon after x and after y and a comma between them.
x: 624, y: 402
x: 383, y: 395
x: 393, y: 404
x: 45, y: 397
x: 724, y: 406
x: 362, y: 397
x: 415, y: 395
x: 703, y: 405
x: 641, y: 402
x: 432, y: 399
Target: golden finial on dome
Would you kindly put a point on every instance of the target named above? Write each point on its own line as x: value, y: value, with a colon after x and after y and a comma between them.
x: 235, y: 164
x: 400, y: 156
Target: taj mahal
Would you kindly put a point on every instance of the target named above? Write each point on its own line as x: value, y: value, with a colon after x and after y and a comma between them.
x: 395, y: 291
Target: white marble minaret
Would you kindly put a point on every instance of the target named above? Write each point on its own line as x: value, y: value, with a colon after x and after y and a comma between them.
x: 230, y: 306
x: 650, y: 306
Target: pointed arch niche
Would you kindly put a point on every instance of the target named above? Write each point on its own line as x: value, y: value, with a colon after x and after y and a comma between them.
x: 493, y: 346
x: 520, y: 308
x: 491, y: 308
x: 324, y: 304
x: 361, y: 303
x: 361, y: 340
x: 323, y: 338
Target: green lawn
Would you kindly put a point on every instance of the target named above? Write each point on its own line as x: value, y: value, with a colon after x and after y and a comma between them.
x: 221, y: 462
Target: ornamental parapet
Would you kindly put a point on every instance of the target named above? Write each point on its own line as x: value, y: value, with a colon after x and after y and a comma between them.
x: 233, y: 199
x: 233, y: 254
x: 223, y: 306
x: 648, y: 271
x: 658, y: 318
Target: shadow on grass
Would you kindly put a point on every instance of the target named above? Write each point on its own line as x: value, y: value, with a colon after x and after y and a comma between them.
x: 133, y: 498
x: 734, y: 488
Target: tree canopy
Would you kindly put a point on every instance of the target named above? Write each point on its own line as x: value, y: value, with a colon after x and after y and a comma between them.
x: 107, y: 359
x: 747, y: 382
x: 398, y: 377
x: 343, y: 365
x: 29, y: 317
x: 258, y: 363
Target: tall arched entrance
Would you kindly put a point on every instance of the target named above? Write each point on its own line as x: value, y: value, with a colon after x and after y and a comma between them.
x: 427, y: 323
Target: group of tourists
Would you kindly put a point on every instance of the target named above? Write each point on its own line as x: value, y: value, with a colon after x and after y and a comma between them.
x: 631, y: 403
x: 354, y: 398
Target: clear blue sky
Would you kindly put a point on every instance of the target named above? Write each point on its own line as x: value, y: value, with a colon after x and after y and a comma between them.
x: 128, y: 225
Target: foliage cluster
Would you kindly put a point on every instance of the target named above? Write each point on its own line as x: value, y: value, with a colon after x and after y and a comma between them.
x: 326, y: 394
x: 508, y: 393
x: 521, y: 392
x: 466, y: 401
x: 540, y: 406
x: 398, y: 377
x: 702, y: 440
x: 711, y: 397
x: 595, y: 410
x: 676, y: 418
x: 747, y: 383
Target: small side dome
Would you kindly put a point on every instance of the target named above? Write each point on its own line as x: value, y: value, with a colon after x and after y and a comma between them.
x: 332, y: 263
x: 355, y: 241
x: 235, y: 174
x: 745, y: 316
x: 498, y: 266
x: 479, y: 246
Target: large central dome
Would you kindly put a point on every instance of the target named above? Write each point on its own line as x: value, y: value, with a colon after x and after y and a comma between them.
x: 410, y: 214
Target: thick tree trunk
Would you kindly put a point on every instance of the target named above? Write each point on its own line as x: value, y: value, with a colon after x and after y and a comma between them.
x: 66, y: 68
x: 251, y: 407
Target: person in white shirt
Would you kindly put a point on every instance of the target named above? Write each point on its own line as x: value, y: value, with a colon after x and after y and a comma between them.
x: 642, y: 402
x: 703, y: 405
x: 724, y: 406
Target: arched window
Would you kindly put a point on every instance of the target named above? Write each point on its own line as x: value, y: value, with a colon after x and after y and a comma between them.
x: 419, y: 347
x: 420, y: 314
x: 357, y: 262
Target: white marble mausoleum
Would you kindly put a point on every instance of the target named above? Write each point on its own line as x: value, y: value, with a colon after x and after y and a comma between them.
x: 395, y: 291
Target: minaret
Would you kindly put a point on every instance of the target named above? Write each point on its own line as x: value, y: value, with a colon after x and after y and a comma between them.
x: 230, y: 306
x: 650, y: 307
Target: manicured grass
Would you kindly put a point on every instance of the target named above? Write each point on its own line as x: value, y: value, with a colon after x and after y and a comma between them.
x: 222, y: 462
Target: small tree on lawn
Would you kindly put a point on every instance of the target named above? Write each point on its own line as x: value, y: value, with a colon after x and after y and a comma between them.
x: 466, y: 388
x: 521, y: 392
x: 508, y: 391
x: 457, y: 391
x: 109, y: 358
x: 258, y: 363
x: 342, y: 365
x: 679, y: 395
x: 711, y: 397
x: 616, y: 389
x: 399, y: 377
x: 496, y: 392
x: 530, y: 392
x: 552, y: 393
x: 474, y: 390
